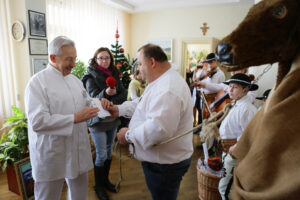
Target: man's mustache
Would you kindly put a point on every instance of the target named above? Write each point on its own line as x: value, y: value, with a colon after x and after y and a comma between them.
x: 69, y: 67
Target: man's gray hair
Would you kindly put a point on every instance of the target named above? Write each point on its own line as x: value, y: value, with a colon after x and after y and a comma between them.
x: 57, y: 43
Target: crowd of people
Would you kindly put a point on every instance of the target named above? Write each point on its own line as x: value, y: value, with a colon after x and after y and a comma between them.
x: 61, y: 109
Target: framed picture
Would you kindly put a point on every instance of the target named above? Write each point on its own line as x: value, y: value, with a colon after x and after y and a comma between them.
x: 38, y: 64
x: 38, y: 46
x: 37, y: 23
x: 24, y: 177
x: 166, y: 45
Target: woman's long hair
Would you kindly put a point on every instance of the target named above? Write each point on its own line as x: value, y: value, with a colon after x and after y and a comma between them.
x: 112, y: 67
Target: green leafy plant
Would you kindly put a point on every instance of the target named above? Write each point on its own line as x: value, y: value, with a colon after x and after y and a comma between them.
x: 79, y: 70
x: 132, y: 63
x: 14, y: 140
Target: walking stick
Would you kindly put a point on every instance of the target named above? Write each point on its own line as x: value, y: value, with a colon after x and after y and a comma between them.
x: 117, y: 187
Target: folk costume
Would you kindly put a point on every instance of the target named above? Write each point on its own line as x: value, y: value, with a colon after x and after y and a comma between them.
x: 232, y: 128
x: 215, y: 77
x: 267, y: 152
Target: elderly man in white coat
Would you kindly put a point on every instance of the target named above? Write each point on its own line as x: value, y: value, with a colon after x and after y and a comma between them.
x: 57, y: 107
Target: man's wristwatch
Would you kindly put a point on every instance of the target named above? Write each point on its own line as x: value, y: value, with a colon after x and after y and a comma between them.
x: 127, y: 138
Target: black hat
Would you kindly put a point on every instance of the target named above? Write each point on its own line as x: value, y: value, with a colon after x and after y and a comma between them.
x: 210, y: 57
x: 242, y: 79
x: 265, y: 95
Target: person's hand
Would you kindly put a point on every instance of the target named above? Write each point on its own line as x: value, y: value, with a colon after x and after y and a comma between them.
x: 109, y: 106
x: 111, y: 91
x: 200, y: 84
x: 85, y: 114
x: 106, y: 104
x: 231, y: 149
x: 121, y: 136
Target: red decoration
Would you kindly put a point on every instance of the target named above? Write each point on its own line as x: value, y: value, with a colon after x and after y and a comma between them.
x: 121, y: 50
x: 111, y: 82
x: 125, y: 63
x: 117, y: 33
x: 215, y: 163
x: 119, y: 65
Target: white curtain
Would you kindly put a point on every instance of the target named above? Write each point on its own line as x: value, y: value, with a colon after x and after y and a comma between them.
x: 8, y: 86
x: 90, y: 23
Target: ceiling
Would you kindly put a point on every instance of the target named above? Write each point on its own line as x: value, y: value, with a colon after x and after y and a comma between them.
x: 154, y: 5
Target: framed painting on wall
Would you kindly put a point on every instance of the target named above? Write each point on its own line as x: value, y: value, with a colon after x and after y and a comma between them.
x: 38, y: 46
x: 24, y: 177
x: 166, y: 45
x: 38, y: 64
x: 37, y: 23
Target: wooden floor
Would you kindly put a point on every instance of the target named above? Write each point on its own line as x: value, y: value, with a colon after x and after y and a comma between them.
x: 133, y: 186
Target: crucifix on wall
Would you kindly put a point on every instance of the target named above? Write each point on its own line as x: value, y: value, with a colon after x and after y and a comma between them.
x: 204, y: 28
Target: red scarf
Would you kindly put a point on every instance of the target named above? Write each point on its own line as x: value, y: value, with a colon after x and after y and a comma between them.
x: 107, y: 72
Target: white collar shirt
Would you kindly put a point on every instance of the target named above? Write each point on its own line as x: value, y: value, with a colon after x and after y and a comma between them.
x: 218, y: 77
x: 216, y: 87
x: 237, y: 119
x: 58, y: 147
x: 164, y: 111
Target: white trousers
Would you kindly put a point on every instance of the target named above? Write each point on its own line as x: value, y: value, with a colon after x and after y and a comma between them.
x: 226, y: 182
x: 77, y: 188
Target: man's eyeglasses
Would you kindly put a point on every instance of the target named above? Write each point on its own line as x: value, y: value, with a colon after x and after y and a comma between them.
x: 73, y: 60
x: 103, y: 58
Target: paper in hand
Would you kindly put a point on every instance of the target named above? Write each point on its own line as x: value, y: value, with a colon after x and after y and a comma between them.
x: 102, y: 113
x: 205, y: 151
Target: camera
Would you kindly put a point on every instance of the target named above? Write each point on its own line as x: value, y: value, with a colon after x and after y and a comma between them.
x: 199, y: 66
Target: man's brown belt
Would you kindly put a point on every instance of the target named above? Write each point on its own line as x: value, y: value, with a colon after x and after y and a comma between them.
x: 225, y: 144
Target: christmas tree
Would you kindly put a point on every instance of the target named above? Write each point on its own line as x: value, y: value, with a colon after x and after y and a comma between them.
x: 121, y: 62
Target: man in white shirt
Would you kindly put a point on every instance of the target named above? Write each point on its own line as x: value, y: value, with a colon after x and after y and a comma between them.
x: 214, y: 76
x: 198, y: 74
x: 164, y: 111
x: 221, y: 86
x: 57, y: 109
x: 234, y: 124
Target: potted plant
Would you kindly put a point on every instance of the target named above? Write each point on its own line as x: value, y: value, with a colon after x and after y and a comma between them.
x: 13, y: 145
x: 79, y: 70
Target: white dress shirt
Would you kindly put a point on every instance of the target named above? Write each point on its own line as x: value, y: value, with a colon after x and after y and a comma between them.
x: 218, y: 77
x: 200, y: 73
x: 58, y: 147
x: 237, y: 119
x: 221, y: 86
x: 165, y: 110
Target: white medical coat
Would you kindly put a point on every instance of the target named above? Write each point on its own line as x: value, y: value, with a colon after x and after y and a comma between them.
x: 58, y: 147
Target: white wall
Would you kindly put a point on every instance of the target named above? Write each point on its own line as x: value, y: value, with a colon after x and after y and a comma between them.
x: 184, y: 24
x: 18, y: 11
x: 181, y: 25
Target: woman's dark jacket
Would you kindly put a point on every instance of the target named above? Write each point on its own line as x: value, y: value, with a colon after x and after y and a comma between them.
x: 94, y: 82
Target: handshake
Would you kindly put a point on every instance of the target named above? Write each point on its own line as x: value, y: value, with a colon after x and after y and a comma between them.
x: 107, y: 105
x: 114, y: 112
